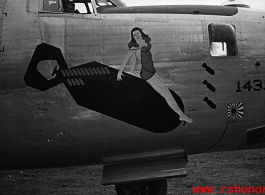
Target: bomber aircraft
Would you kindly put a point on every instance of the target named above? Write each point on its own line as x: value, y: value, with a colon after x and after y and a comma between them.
x: 135, y: 89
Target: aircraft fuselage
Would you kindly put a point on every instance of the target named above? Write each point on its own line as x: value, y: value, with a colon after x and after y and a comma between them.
x: 224, y: 93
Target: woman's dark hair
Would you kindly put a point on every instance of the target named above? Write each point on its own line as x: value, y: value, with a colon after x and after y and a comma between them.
x: 133, y: 42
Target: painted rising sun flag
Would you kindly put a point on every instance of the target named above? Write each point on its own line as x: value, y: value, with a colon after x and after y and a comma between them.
x: 235, y: 111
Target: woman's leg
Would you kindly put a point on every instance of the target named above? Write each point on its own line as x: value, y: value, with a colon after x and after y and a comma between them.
x: 158, y: 84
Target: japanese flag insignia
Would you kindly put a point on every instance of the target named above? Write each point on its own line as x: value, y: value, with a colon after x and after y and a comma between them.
x: 235, y: 111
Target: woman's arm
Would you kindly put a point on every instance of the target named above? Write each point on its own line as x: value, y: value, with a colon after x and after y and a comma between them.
x: 123, y: 64
x: 146, y: 48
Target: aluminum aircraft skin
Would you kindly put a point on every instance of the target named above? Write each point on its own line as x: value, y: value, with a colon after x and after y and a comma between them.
x: 63, y: 103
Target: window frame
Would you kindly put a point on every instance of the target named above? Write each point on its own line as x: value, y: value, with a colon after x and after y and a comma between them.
x: 221, y: 33
x: 41, y: 7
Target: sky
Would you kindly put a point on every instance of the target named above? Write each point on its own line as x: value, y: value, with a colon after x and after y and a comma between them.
x: 255, y: 4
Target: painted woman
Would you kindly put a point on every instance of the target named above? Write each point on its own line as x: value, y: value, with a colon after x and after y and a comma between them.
x: 139, y: 50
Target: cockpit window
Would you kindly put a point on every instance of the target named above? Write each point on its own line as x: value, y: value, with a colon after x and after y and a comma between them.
x: 67, y: 6
x: 79, y: 6
x: 52, y: 6
x: 222, y: 40
x: 84, y: 8
x: 103, y: 2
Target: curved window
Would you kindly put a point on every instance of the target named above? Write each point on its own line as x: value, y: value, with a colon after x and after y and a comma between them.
x: 78, y: 6
x: 52, y: 5
x: 103, y: 2
x: 222, y: 40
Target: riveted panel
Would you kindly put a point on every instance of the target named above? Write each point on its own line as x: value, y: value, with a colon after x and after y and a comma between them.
x: 1, y: 28
x: 83, y: 39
